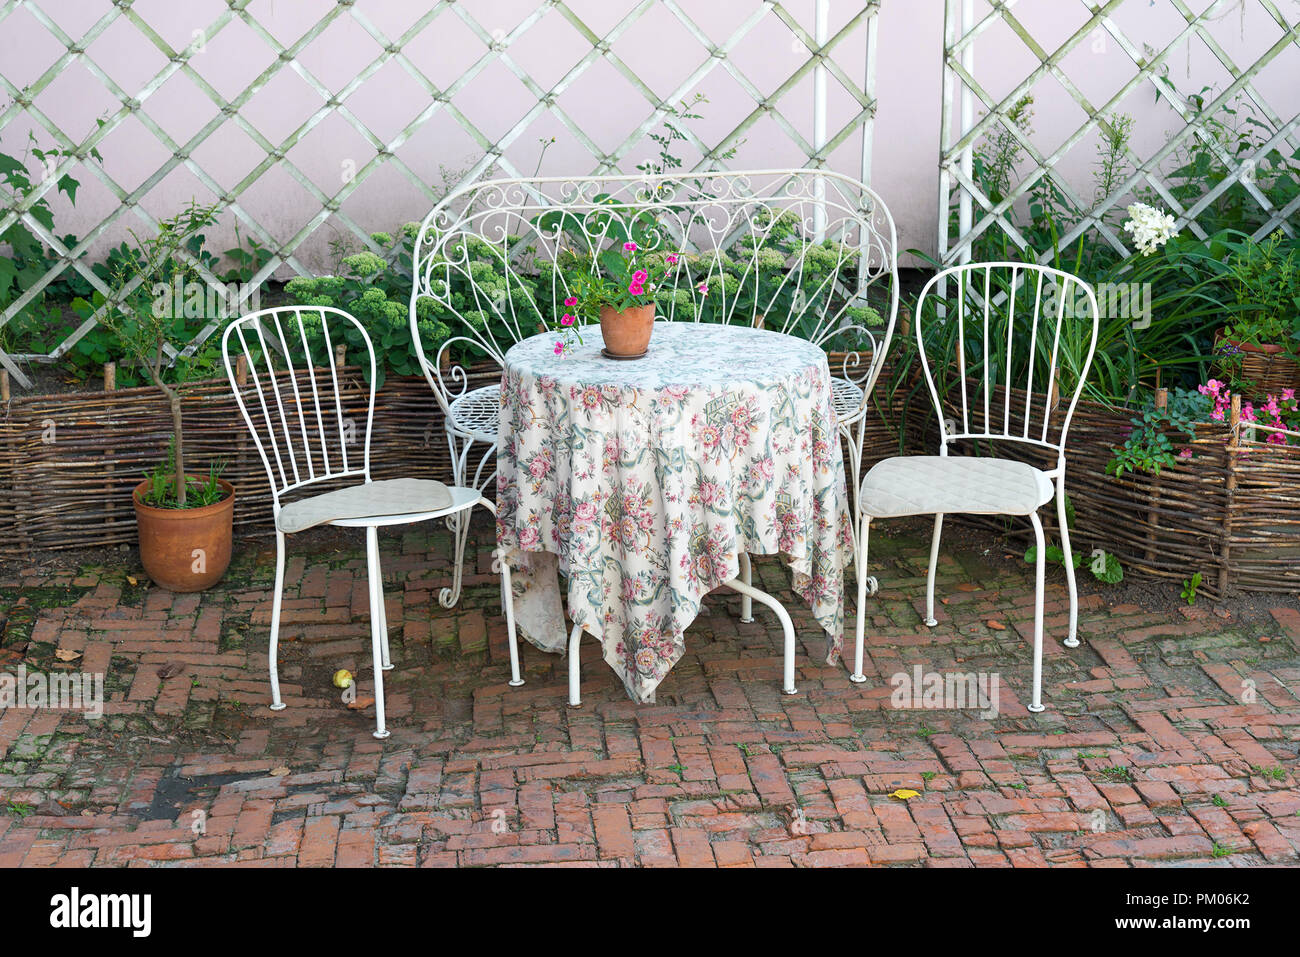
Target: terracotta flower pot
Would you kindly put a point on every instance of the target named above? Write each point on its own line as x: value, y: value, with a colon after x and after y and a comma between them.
x: 627, y: 333
x: 1266, y: 348
x: 185, y: 549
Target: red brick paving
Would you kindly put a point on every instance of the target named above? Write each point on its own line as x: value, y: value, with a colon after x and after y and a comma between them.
x: 1167, y: 739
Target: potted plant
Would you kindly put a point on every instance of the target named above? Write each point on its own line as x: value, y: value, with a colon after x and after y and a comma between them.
x: 1261, y: 340
x: 184, y: 520
x: 621, y: 297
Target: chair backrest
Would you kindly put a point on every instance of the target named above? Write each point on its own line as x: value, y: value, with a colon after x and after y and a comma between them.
x: 302, y: 414
x: 1007, y: 340
x: 805, y: 252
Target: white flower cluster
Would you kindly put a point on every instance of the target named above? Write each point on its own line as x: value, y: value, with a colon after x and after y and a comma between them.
x: 1151, y: 228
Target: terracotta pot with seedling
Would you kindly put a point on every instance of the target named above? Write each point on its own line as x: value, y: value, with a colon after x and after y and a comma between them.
x: 184, y: 520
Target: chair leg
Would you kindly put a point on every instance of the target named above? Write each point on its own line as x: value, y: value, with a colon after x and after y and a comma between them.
x: 855, y: 483
x: 273, y: 653
x: 448, y: 597
x: 1072, y: 641
x: 507, y: 604
x: 458, y: 523
x: 930, y: 620
x: 746, y: 603
x: 860, y: 556
x: 1036, y: 705
x: 575, y: 677
x: 383, y: 611
x: 376, y: 583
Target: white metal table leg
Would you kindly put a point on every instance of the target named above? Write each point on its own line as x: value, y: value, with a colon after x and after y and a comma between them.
x: 787, y: 686
x: 575, y: 678
x: 746, y: 575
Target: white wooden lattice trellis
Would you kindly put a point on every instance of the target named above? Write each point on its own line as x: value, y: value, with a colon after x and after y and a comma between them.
x: 963, y: 94
x: 817, y: 48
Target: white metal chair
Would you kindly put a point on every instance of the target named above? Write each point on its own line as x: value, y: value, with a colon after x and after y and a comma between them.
x: 990, y: 385
x: 485, y: 266
x: 304, y: 433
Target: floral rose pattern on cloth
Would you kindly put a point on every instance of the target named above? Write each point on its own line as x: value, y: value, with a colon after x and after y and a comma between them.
x: 641, y: 482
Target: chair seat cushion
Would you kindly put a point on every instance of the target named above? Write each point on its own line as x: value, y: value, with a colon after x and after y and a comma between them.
x: 388, y: 497
x: 973, y: 485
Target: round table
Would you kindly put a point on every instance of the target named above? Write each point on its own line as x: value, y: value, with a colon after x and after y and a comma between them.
x: 645, y: 481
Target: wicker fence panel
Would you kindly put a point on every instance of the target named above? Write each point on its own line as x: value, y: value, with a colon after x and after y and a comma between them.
x: 1264, y: 517
x: 68, y: 462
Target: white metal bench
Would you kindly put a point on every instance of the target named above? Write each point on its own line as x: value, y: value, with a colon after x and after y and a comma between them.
x: 806, y: 252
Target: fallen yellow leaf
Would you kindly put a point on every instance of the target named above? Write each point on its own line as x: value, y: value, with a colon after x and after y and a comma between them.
x: 66, y: 654
x: 905, y: 794
x: 131, y: 580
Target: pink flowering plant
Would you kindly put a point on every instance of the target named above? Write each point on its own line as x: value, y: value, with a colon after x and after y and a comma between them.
x: 1149, y: 448
x: 622, y: 277
x: 566, y: 327
x: 1276, y: 411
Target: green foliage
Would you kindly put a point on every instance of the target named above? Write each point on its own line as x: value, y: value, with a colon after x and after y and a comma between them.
x: 1148, y: 447
x: 1190, y: 279
x: 1104, y: 566
x: 1265, y: 281
x: 1054, y: 555
x: 373, y: 289
x: 144, y: 328
x: 31, y: 328
x: 471, y: 281
x: 666, y: 160
x: 1236, y: 131
x: 199, y: 492
x: 1190, y: 586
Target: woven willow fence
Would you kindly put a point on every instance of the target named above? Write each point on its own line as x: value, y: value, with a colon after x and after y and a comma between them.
x: 964, y: 96
x: 68, y: 462
x: 1231, y: 511
x: 813, y: 51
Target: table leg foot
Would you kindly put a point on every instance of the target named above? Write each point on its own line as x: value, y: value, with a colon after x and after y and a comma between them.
x: 857, y: 679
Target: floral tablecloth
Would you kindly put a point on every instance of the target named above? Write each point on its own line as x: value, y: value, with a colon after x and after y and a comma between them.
x: 642, y: 481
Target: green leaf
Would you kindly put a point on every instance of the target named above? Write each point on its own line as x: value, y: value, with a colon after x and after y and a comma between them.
x: 1106, y: 568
